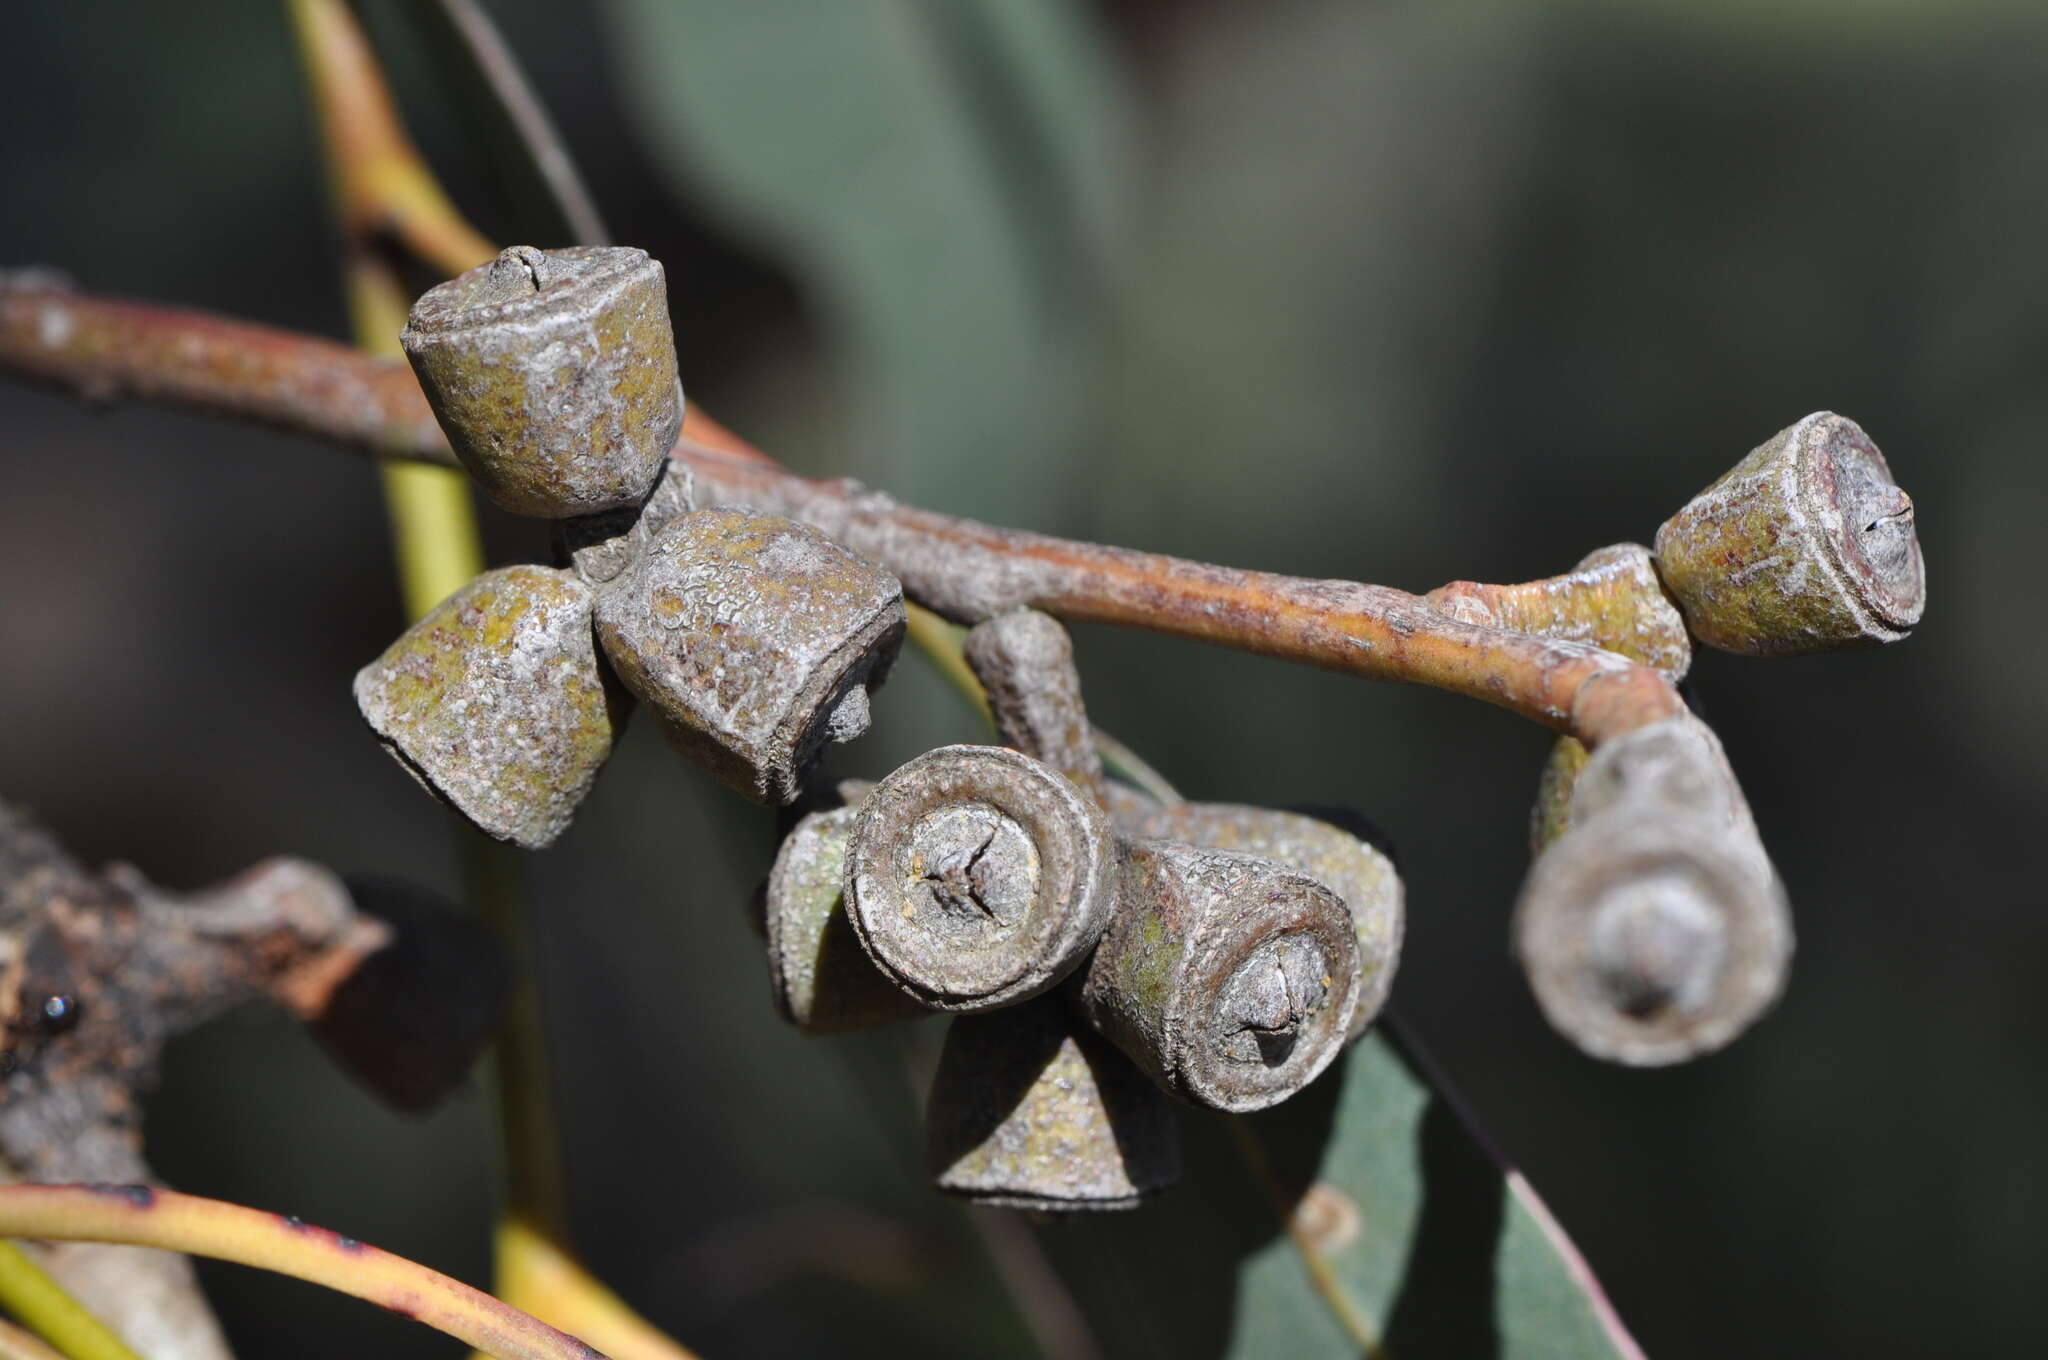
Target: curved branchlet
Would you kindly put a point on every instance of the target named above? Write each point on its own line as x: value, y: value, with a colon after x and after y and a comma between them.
x: 1806, y: 545
x: 1229, y: 979
x: 1031, y: 1109
x: 978, y: 876
x: 823, y: 981
x: 1654, y: 930
x: 496, y: 703
x: 755, y: 639
x: 554, y: 374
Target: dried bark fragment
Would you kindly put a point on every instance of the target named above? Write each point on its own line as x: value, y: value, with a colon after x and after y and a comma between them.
x: 97, y: 972
x: 756, y: 640
x: 1654, y: 930
x: 1357, y: 872
x: 1032, y: 1110
x: 495, y: 702
x: 824, y: 982
x: 977, y: 877
x: 1230, y: 980
x: 1806, y: 545
x: 554, y: 374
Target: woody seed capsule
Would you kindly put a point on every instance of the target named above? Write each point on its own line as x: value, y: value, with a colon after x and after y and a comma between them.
x: 977, y: 877
x: 1806, y: 545
x: 1358, y: 873
x: 554, y: 375
x: 1230, y: 980
x: 1033, y: 1110
x: 824, y: 983
x: 1654, y: 929
x: 495, y: 702
x: 756, y: 639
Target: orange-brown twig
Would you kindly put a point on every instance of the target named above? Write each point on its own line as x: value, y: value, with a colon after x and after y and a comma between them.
x: 139, y: 1216
x: 960, y: 568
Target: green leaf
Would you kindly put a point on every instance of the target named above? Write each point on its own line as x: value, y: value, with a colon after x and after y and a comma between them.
x: 943, y: 180
x: 1413, y: 1240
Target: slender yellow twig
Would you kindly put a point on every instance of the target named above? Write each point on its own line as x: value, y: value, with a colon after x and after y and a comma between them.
x: 536, y: 1275
x: 381, y: 183
x: 138, y: 1216
x: 41, y: 1304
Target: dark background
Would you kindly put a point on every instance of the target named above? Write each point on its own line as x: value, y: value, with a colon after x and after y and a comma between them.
x: 1397, y: 292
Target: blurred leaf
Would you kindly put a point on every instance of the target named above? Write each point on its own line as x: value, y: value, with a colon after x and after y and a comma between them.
x: 943, y: 178
x: 1404, y: 1237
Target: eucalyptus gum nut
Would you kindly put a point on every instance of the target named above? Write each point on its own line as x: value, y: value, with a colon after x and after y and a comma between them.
x: 823, y: 981
x: 1551, y: 816
x: 554, y: 375
x: 1652, y: 926
x: 1651, y: 938
x: 599, y: 548
x: 1360, y: 875
x: 1806, y: 545
x: 978, y: 876
x: 1230, y: 980
x: 496, y: 703
x: 756, y: 640
x: 1030, y: 1109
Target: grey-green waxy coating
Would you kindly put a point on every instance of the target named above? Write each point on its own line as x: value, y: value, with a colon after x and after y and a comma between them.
x: 823, y: 981
x: 554, y: 375
x: 1359, y: 874
x: 496, y: 703
x: 978, y: 876
x: 1032, y: 1110
x: 756, y: 640
x: 1806, y: 545
x: 1654, y: 929
x: 1229, y: 979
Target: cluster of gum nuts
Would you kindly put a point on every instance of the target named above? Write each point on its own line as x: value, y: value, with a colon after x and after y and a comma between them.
x: 1102, y: 952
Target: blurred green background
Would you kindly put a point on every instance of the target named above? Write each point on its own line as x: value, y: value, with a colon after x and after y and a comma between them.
x: 1399, y: 292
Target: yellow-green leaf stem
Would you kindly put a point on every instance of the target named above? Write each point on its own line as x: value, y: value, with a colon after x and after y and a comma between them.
x: 138, y: 1216
x: 40, y: 1304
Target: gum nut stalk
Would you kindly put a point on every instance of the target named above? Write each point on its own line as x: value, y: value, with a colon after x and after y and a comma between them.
x: 978, y: 876
x: 823, y: 981
x: 1025, y: 662
x: 1031, y: 1109
x: 1230, y: 980
x: 1357, y: 872
x: 496, y: 703
x: 756, y: 639
x: 554, y: 375
x: 599, y: 548
x: 1806, y: 545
